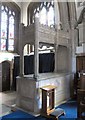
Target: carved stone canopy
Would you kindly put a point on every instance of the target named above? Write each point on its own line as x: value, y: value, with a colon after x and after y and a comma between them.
x: 82, y: 16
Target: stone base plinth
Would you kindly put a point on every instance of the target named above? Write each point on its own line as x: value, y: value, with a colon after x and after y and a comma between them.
x: 29, y: 95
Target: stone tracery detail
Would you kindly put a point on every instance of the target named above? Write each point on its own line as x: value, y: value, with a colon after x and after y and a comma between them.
x: 45, y: 13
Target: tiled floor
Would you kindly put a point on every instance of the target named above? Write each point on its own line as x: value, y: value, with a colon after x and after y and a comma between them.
x: 7, y: 99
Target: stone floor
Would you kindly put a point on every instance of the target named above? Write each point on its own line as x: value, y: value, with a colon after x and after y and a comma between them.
x: 7, y: 100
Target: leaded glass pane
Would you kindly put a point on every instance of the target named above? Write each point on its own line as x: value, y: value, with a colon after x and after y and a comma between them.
x: 14, y: 13
x: 45, y: 3
x: 41, y: 5
x: 3, y: 44
x: 37, y: 14
x: 43, y: 15
x: 7, y: 23
x: 11, y: 34
x: 9, y: 12
x: 34, y: 11
x: 52, y: 2
x: 2, y: 7
x: 38, y: 9
x: 3, y: 30
x: 33, y: 19
x: 48, y: 4
x: 50, y: 15
x: 6, y: 8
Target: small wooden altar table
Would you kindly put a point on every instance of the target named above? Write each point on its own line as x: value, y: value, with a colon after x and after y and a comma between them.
x: 49, y: 91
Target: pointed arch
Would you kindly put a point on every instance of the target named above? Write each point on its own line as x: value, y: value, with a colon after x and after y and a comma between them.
x: 9, y: 26
x: 43, y: 10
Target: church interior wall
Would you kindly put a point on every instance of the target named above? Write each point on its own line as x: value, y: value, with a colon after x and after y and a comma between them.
x: 60, y: 18
x: 66, y: 60
x: 63, y: 62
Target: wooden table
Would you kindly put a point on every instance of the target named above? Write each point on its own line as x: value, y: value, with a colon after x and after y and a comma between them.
x: 48, y: 90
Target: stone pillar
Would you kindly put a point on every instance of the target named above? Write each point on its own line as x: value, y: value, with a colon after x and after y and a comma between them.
x: 57, y: 14
x: 72, y: 11
x: 36, y: 46
x: 21, y: 38
x: 73, y: 39
x: 56, y: 51
x: 21, y: 64
x: 73, y: 35
x: 69, y: 47
x: 80, y: 27
x: 56, y: 57
x: 64, y: 15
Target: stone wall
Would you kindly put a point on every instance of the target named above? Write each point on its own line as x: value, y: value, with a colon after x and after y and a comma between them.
x: 29, y: 95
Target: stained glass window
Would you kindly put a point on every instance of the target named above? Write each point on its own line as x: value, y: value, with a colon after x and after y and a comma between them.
x: 11, y: 33
x: 50, y: 15
x: 3, y: 30
x: 7, y: 29
x: 37, y: 14
x: 45, y: 13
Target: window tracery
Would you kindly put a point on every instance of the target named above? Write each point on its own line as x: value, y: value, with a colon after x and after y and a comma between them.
x: 45, y: 13
x: 7, y: 27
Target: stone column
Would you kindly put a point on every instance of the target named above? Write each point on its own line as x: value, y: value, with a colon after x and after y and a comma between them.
x: 73, y: 21
x: 73, y: 39
x: 56, y: 58
x: 21, y: 38
x: 57, y: 14
x: 56, y: 51
x: 73, y: 35
x: 64, y: 15
x: 36, y: 46
x: 69, y: 47
x: 21, y: 64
